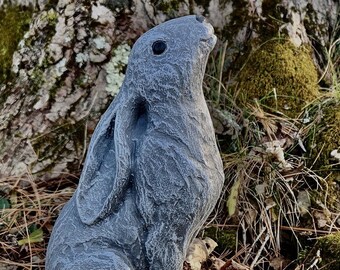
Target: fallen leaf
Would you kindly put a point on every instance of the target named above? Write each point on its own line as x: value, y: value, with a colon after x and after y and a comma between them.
x: 232, y: 199
x: 4, y: 204
x: 275, y: 148
x: 34, y: 237
x: 199, y: 251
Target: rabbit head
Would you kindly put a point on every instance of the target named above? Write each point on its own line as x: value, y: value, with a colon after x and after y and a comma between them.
x: 171, y: 57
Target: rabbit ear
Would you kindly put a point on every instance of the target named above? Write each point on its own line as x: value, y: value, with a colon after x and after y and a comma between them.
x: 106, y: 173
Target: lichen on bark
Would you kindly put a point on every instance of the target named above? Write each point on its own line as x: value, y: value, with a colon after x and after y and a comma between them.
x: 54, y: 103
x: 14, y: 21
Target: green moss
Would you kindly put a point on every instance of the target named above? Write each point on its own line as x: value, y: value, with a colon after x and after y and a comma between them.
x: 330, y: 251
x: 226, y: 239
x: 280, y: 76
x: 14, y: 22
x: 37, y: 79
x: 325, y: 140
x: 329, y: 139
x: 51, y: 19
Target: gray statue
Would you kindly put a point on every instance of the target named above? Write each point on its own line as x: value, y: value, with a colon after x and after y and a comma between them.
x: 153, y: 172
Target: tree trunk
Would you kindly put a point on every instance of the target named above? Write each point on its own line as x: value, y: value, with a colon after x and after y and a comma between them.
x: 70, y: 63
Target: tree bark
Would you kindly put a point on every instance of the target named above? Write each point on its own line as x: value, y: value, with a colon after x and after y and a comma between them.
x: 70, y: 62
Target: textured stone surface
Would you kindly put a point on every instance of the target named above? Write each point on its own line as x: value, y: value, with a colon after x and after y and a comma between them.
x: 153, y: 172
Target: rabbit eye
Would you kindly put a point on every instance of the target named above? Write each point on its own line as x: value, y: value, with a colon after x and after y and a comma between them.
x: 158, y: 47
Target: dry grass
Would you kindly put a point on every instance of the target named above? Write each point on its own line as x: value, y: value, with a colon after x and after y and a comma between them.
x: 26, y: 223
x: 272, y: 195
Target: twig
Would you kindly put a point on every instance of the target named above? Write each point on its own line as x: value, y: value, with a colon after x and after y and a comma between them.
x: 28, y: 237
x: 221, y: 71
x: 316, y: 261
x: 259, y: 252
x: 283, y: 228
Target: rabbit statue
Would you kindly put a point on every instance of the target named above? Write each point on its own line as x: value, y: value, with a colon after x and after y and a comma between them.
x: 153, y: 172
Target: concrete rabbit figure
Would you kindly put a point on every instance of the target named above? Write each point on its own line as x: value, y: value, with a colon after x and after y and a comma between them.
x: 153, y: 172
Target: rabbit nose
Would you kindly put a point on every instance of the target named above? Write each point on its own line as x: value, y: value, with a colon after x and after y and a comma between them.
x: 200, y: 18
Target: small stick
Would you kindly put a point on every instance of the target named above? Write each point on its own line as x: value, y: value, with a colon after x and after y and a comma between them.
x: 259, y: 252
